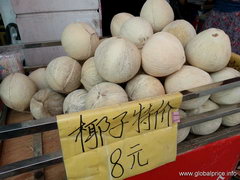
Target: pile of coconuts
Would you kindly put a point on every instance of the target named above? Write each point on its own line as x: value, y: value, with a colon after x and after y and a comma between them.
x: 147, y: 56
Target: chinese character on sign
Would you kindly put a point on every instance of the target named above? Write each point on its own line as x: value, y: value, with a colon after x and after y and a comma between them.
x: 143, y: 117
x: 117, y: 130
x: 148, y: 118
x: 92, y: 133
x: 136, y: 156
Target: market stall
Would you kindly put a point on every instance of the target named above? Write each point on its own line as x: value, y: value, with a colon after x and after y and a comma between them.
x: 155, y: 100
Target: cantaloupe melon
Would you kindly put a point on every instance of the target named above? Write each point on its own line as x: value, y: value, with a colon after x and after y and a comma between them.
x: 230, y: 96
x: 16, y: 91
x: 75, y: 101
x: 117, y: 60
x: 231, y: 120
x: 144, y: 86
x: 210, y: 50
x: 38, y: 77
x: 183, y: 132
x: 186, y: 78
x: 209, y: 126
x: 117, y: 21
x: 63, y: 74
x: 158, y: 13
x: 89, y: 75
x: 46, y: 103
x: 137, y: 30
x: 79, y: 40
x: 182, y: 29
x: 162, y: 55
x: 105, y: 94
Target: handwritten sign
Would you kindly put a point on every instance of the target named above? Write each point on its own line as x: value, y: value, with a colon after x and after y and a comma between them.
x: 119, y: 141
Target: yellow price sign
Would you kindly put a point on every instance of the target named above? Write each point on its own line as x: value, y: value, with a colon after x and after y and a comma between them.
x: 119, y: 141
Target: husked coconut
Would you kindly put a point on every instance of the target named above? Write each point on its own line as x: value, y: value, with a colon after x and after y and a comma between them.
x: 144, y: 86
x: 162, y: 55
x: 75, y: 101
x: 105, y: 94
x: 158, y: 13
x: 46, y: 103
x: 89, y: 75
x: 137, y: 30
x: 210, y: 50
x: 63, y: 74
x: 117, y: 60
x: 117, y: 21
x: 230, y: 96
x: 182, y: 29
x: 16, y: 91
x: 231, y: 120
x: 38, y: 77
x: 209, y: 126
x: 183, y: 132
x: 79, y: 40
x: 186, y: 78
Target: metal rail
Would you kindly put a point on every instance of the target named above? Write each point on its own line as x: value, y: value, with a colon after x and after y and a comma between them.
x: 30, y: 164
x: 27, y: 127
x: 197, y: 141
x: 210, y: 88
x: 42, y: 125
x: 207, y: 116
x: 29, y: 46
x: 32, y: 45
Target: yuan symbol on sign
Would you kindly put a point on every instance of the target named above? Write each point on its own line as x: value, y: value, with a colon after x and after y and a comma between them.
x: 136, y: 155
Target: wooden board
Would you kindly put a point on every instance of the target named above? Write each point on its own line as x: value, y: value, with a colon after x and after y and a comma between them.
x: 51, y: 143
x: 33, y: 6
x: 21, y: 148
x: 17, y: 149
